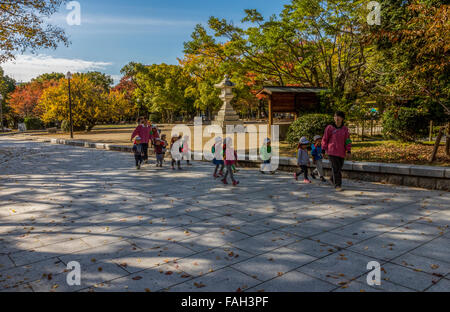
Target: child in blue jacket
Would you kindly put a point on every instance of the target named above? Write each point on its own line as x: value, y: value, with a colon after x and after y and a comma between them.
x: 317, y: 155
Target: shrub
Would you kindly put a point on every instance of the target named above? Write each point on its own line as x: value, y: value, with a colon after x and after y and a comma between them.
x: 33, y: 123
x: 405, y: 124
x: 309, y: 126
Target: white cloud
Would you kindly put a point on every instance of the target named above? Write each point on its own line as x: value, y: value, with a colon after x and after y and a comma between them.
x: 98, y: 20
x: 26, y: 67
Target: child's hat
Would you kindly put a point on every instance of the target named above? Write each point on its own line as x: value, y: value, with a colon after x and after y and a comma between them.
x: 138, y: 138
x: 317, y: 137
x: 266, y: 141
x: 218, y: 139
x: 303, y: 141
x: 175, y: 135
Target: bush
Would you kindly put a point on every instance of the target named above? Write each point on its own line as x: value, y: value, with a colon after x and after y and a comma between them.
x: 405, y: 124
x: 308, y: 126
x: 33, y: 123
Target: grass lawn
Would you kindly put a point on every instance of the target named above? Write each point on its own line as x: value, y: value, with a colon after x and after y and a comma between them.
x: 389, y: 151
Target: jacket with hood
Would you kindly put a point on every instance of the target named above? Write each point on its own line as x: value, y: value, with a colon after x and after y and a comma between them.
x: 265, y: 151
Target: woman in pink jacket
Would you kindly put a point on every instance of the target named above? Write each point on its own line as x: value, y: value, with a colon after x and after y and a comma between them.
x: 143, y: 131
x: 337, y: 144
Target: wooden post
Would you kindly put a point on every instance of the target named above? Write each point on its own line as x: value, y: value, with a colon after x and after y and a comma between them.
x: 371, y: 127
x: 436, y: 144
x: 270, y: 117
x: 430, y: 137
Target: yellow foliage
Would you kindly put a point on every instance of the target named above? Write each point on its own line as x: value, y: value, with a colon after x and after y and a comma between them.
x: 90, y: 103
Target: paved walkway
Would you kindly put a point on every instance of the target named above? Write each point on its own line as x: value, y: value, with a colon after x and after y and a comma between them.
x: 158, y: 230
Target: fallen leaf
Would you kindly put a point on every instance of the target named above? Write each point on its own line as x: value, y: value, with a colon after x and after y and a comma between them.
x: 199, y: 285
x: 434, y: 266
x: 137, y: 278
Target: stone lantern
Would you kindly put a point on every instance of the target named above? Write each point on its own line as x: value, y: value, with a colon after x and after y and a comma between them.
x: 226, y: 116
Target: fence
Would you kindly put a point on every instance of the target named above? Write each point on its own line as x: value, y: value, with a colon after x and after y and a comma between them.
x: 366, y: 128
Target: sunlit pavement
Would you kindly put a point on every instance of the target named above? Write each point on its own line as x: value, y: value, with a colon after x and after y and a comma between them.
x: 163, y: 230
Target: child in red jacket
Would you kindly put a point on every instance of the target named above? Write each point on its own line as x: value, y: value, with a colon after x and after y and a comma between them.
x: 230, y: 159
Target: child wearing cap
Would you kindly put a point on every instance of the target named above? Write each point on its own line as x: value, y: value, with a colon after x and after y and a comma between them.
x: 317, y: 155
x: 160, y: 150
x: 265, y: 153
x: 187, y: 155
x: 176, y: 151
x: 303, y: 159
x: 138, y: 150
x: 217, y: 151
x: 230, y: 159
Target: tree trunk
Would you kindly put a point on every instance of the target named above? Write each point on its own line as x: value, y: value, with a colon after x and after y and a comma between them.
x: 362, y: 131
x: 430, y: 137
x: 447, y: 140
x: 436, y: 144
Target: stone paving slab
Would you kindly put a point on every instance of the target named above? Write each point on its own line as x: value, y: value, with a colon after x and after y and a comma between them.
x: 158, y: 230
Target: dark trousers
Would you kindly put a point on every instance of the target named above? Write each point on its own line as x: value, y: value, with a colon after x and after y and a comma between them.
x: 178, y: 162
x: 229, y: 172
x: 304, y: 170
x: 336, y: 167
x: 139, y: 159
x: 217, y: 168
x: 145, y: 148
x: 159, y: 159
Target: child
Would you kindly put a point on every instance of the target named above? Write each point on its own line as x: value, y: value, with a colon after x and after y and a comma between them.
x: 186, y: 150
x: 337, y: 144
x: 154, y: 134
x: 138, y: 151
x: 303, y: 159
x: 317, y: 155
x: 230, y: 156
x: 143, y: 131
x: 175, y: 151
x: 160, y: 150
x: 217, y: 151
x: 164, y: 147
x: 266, y: 156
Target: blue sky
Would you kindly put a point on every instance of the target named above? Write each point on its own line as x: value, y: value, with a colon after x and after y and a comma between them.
x: 115, y: 32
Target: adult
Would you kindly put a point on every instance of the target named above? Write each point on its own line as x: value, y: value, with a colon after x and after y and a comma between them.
x: 143, y: 130
x: 337, y: 144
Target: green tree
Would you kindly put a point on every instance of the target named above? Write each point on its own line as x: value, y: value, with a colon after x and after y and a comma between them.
x: 23, y: 25
x: 7, y: 86
x: 100, y: 79
x: 162, y: 89
x: 413, y: 40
